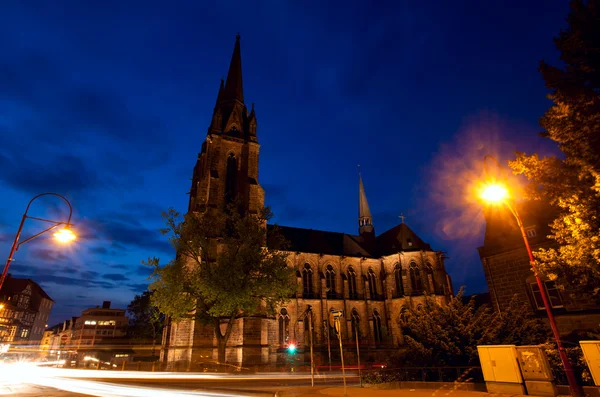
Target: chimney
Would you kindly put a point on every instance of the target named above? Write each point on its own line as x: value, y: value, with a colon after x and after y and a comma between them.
x: 106, y: 305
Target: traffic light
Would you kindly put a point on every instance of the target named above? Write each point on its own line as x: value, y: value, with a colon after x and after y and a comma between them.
x: 292, y: 348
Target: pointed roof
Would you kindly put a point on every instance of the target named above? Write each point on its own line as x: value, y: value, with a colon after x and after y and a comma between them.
x: 234, y: 89
x: 400, y: 238
x: 363, y: 205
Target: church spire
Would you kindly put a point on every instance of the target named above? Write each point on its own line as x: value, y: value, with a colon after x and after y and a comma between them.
x: 234, y: 89
x: 365, y: 221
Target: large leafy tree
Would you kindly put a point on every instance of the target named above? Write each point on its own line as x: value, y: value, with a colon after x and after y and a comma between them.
x: 572, y: 182
x: 448, y: 335
x: 222, y: 270
x: 145, y: 320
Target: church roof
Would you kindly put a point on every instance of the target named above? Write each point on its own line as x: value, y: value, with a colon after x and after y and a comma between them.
x: 363, y: 204
x: 399, y: 238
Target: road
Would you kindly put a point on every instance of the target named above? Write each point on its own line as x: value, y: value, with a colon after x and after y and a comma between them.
x: 52, y: 382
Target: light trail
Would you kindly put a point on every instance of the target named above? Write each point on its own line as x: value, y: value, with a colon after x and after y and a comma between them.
x: 77, y: 380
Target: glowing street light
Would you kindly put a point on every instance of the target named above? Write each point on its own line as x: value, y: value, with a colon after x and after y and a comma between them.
x: 64, y: 235
x: 495, y: 193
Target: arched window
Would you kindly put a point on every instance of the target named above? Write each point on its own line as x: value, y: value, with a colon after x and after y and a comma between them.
x: 416, y: 283
x: 307, y: 281
x: 398, y: 279
x: 284, y: 327
x: 355, y: 325
x: 372, y: 280
x: 330, y: 281
x: 377, y: 327
x: 352, y: 283
x: 231, y: 178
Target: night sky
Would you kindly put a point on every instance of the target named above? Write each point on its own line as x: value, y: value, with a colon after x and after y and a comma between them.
x: 108, y: 103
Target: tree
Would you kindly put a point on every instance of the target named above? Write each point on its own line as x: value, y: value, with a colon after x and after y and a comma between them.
x: 571, y: 183
x: 222, y: 270
x: 145, y: 320
x: 448, y: 335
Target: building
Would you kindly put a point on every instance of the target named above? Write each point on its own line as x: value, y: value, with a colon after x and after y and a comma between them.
x: 97, y: 326
x: 25, y: 311
x: 508, y: 271
x: 370, y: 277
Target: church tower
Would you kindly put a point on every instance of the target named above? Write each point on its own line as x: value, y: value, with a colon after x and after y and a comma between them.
x: 227, y: 165
x: 365, y: 221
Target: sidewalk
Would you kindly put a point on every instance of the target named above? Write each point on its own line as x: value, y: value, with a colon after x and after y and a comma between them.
x: 369, y: 392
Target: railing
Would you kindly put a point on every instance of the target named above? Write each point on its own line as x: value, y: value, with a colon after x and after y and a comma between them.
x: 377, y: 297
x: 356, y: 296
x: 398, y: 295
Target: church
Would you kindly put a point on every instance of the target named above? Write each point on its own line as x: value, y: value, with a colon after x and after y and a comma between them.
x: 370, y: 277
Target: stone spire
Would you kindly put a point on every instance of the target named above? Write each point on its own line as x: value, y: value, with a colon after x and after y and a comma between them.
x: 365, y: 221
x: 234, y: 89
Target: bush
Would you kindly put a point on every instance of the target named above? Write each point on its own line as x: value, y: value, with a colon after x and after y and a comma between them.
x: 575, y: 355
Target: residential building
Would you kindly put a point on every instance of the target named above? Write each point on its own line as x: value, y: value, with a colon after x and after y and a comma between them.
x: 25, y: 311
x: 509, y: 274
x: 98, y: 325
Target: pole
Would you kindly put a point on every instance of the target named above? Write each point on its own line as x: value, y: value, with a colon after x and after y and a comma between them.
x: 337, y: 326
x: 15, y: 245
x: 573, y: 385
x: 328, y: 330
x: 357, y: 351
x: 13, y: 249
x: 312, y: 361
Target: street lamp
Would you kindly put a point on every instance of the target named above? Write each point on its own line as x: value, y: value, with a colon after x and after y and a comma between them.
x: 64, y: 235
x: 497, y: 193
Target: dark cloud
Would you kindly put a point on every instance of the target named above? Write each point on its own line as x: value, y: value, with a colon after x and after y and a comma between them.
x: 64, y: 173
x: 81, y: 297
x: 114, y: 277
x: 48, y: 255
x: 144, y: 271
x: 119, y: 266
x: 89, y: 275
x: 98, y: 250
x: 137, y: 288
x: 139, y: 237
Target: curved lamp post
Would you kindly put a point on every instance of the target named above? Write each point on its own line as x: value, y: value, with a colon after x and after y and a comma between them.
x: 64, y: 235
x: 497, y: 193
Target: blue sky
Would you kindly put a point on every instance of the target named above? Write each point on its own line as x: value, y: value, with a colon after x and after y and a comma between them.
x: 109, y: 102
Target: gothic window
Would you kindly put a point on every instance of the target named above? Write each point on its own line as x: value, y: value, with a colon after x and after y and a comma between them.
x: 372, y: 283
x: 429, y: 275
x: 355, y: 325
x: 330, y: 281
x: 231, y: 178
x: 398, y: 279
x: 352, y: 283
x: 416, y: 282
x: 307, y: 281
x: 377, y: 327
x: 284, y: 327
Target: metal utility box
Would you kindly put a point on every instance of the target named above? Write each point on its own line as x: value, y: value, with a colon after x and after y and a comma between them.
x: 536, y: 371
x: 501, y: 369
x: 591, y: 353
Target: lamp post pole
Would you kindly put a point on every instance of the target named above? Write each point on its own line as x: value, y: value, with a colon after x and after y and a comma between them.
x: 573, y: 385
x: 16, y: 244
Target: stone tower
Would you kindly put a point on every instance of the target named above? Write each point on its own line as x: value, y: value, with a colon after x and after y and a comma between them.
x: 227, y: 165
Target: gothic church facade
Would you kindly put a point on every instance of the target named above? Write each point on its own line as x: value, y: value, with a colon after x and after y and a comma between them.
x: 370, y: 277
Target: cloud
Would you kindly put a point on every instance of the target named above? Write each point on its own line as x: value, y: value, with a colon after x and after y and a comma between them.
x: 119, y: 266
x: 48, y: 255
x: 98, y: 250
x: 137, y: 288
x: 144, y: 271
x: 114, y: 277
x: 88, y: 274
